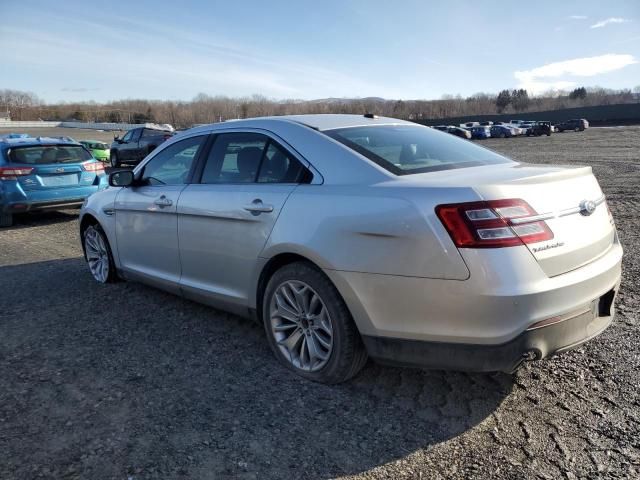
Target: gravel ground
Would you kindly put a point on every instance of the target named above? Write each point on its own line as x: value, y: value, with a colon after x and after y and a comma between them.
x: 124, y: 381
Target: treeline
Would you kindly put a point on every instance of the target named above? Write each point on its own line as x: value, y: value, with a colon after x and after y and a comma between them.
x: 205, y: 108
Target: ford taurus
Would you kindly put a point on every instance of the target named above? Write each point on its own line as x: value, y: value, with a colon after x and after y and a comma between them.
x: 352, y: 236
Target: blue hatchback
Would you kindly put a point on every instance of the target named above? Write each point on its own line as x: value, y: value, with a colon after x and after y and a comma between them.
x: 45, y: 174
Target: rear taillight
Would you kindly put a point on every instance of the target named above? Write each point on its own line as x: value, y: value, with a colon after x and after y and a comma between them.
x: 93, y: 166
x: 489, y: 224
x: 11, y: 173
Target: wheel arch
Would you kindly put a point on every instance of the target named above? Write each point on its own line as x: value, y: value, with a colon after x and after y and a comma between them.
x: 271, y: 266
x: 87, y: 220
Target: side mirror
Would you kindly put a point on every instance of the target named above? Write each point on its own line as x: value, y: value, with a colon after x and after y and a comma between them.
x: 121, y: 178
x: 116, y: 138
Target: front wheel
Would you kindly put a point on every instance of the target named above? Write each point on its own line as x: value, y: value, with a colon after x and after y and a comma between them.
x: 113, y: 160
x: 98, y: 255
x: 309, y: 327
x: 6, y: 219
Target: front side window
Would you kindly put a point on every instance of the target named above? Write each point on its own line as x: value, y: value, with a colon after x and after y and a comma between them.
x: 135, y: 134
x: 127, y: 136
x: 171, y: 166
x: 404, y: 150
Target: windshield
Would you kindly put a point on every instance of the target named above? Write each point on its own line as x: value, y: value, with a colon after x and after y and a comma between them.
x: 404, y: 150
x: 43, y: 154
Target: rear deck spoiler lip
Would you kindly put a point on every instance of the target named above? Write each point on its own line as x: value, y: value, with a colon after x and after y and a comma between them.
x: 550, y: 215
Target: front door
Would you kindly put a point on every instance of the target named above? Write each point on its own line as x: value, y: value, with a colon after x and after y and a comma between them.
x: 146, y: 221
x: 226, y: 219
x: 128, y: 149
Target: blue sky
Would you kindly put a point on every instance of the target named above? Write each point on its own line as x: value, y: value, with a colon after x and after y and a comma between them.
x: 414, y: 49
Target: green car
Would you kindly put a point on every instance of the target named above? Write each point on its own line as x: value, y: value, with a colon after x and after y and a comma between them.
x: 99, y: 150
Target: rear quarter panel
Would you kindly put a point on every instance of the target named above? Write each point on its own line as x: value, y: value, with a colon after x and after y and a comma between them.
x: 371, y: 229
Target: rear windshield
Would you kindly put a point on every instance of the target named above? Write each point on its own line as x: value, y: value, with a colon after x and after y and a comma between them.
x: 43, y: 154
x: 405, y: 150
x: 97, y: 146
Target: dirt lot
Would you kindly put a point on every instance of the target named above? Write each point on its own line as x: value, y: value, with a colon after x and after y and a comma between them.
x: 124, y: 381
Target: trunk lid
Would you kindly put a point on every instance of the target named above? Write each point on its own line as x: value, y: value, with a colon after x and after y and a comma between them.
x: 571, y: 203
x: 555, y: 192
x: 52, y: 176
x: 52, y: 166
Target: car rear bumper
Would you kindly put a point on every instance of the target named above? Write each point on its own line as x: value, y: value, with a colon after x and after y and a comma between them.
x: 532, y: 344
x: 23, y: 207
x: 16, y: 200
x: 490, y: 314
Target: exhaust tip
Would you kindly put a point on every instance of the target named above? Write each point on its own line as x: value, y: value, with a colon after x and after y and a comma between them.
x: 531, y: 355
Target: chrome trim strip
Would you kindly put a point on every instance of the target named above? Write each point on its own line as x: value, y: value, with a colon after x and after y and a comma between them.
x: 547, y: 216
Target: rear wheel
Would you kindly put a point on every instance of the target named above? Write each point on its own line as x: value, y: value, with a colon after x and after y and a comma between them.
x: 309, y: 327
x: 6, y: 219
x: 98, y: 254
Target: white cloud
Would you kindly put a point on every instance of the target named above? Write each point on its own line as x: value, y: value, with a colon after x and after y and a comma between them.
x: 578, y: 17
x: 537, y: 79
x: 608, y: 21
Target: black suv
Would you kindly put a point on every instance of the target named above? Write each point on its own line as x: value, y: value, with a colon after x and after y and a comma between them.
x: 136, y: 144
x: 540, y: 128
x: 575, y: 124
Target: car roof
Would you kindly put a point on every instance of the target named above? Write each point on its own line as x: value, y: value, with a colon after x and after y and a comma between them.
x: 317, y: 122
x: 35, y: 141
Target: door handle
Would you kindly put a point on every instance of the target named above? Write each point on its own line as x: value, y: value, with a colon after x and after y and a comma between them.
x: 163, y: 201
x: 257, y: 207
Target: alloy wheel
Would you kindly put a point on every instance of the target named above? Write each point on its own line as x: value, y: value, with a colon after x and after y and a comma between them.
x: 301, y: 325
x: 97, y: 254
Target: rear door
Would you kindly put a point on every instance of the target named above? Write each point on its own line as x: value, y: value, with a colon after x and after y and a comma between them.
x: 226, y: 219
x: 146, y: 221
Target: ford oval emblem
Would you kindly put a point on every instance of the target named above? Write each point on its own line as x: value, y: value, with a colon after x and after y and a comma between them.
x: 587, y: 207
x: 59, y: 170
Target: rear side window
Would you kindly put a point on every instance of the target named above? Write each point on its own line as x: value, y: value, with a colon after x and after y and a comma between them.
x: 248, y: 158
x: 47, y: 154
x: 404, y: 150
x: 234, y: 158
x: 278, y: 166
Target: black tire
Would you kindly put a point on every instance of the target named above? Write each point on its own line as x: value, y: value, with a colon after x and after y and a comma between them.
x: 6, y: 219
x: 113, y: 160
x: 503, y: 135
x: 348, y: 354
x: 577, y: 129
x: 112, y: 274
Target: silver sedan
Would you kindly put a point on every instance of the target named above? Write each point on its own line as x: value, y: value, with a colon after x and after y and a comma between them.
x: 353, y: 236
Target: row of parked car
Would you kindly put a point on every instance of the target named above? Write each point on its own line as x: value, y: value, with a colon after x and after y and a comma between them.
x: 513, y: 128
x: 49, y: 173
